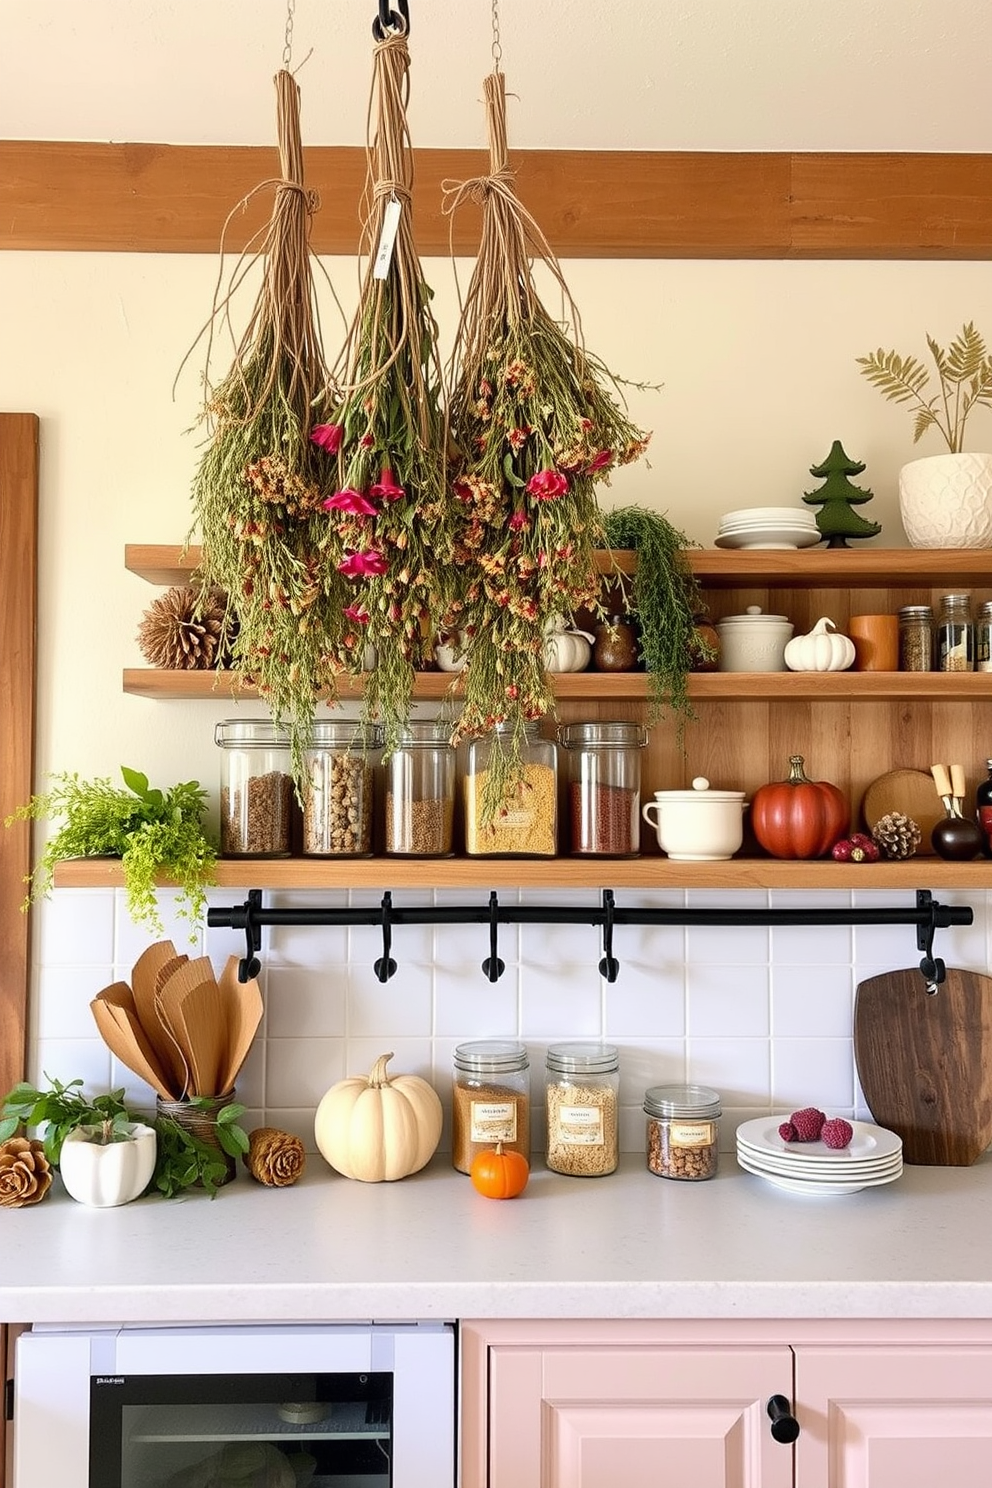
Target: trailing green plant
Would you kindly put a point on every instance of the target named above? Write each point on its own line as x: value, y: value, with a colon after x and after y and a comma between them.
x: 152, y: 832
x: 964, y: 373
x: 62, y: 1109
x: 663, y: 597
x: 184, y: 1160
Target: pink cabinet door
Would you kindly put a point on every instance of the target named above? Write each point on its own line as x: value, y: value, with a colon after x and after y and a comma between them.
x: 587, y: 1416
x: 900, y: 1417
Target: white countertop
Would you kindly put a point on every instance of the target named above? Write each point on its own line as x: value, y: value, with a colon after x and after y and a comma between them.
x: 631, y: 1245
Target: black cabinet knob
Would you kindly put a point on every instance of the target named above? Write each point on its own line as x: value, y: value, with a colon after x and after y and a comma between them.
x: 785, y: 1427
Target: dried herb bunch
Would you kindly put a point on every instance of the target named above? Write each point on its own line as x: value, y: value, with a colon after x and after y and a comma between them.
x: 540, y: 422
x: 257, y: 490
x: 389, y: 537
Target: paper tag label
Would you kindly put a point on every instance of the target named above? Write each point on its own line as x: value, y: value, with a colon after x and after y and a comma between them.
x: 493, y: 1121
x: 387, y: 238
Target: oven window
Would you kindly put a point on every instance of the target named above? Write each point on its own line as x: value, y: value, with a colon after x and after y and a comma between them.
x: 241, y: 1431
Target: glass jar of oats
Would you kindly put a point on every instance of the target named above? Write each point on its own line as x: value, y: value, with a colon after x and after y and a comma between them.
x: 582, y: 1098
x: 256, y: 788
x: 420, y: 791
x: 490, y: 1100
x: 682, y: 1131
x: 523, y: 822
x: 338, y: 789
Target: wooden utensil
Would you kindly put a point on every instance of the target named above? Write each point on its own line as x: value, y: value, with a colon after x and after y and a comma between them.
x: 241, y: 1003
x: 144, y: 977
x: 955, y: 836
x: 202, y: 1018
x: 925, y: 1062
x: 126, y: 1039
x: 908, y: 791
x: 174, y: 982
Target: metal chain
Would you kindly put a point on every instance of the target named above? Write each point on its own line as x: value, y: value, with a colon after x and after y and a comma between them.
x: 497, y: 48
x: 287, y: 51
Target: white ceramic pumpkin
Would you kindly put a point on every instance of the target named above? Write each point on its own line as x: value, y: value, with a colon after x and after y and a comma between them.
x: 378, y: 1128
x: 566, y: 649
x: 824, y: 649
x: 104, y: 1175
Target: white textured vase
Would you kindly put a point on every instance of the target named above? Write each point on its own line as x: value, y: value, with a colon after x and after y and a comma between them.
x: 945, y: 501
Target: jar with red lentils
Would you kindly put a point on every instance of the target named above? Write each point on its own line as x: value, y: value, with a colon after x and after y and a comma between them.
x: 682, y: 1131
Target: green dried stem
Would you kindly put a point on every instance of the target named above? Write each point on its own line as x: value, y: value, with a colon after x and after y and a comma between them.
x: 964, y: 373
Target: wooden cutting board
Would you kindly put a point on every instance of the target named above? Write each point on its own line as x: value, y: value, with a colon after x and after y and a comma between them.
x: 925, y: 1062
x: 911, y: 792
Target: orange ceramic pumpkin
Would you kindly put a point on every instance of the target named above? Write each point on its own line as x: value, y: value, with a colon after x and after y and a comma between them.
x: 498, y: 1174
x: 798, y: 817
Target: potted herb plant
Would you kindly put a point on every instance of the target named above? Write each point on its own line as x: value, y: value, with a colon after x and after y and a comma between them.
x: 105, y: 1155
x: 945, y: 501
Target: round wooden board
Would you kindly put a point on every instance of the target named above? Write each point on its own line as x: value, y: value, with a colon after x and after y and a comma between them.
x: 913, y: 793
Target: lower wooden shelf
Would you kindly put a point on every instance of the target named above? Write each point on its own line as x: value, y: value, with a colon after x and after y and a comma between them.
x: 648, y: 872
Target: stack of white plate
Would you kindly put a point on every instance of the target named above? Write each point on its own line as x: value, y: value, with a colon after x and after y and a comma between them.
x: 872, y: 1157
x: 768, y: 527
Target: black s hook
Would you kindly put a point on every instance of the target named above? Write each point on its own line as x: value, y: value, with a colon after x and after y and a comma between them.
x: 493, y: 967
x: 609, y: 966
x: 385, y: 966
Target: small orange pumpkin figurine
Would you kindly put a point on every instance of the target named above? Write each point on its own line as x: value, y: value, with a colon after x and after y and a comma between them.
x: 498, y: 1174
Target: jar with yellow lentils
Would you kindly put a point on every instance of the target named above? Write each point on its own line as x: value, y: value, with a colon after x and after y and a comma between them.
x: 522, y: 820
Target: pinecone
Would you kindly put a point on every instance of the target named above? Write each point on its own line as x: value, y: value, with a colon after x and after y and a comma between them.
x: 275, y: 1158
x: 897, y: 835
x: 25, y: 1173
x: 183, y: 630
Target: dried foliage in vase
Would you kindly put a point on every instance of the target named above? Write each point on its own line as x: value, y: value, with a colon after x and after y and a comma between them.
x: 389, y: 537
x: 540, y: 423
x: 257, y: 490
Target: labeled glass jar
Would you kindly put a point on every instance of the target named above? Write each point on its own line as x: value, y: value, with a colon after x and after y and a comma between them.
x: 339, y: 789
x: 955, y: 634
x: 256, y: 788
x: 682, y: 1131
x: 420, y: 792
x: 582, y: 1087
x: 604, y: 787
x: 983, y: 638
x: 490, y: 1100
x: 916, y: 638
x: 523, y: 821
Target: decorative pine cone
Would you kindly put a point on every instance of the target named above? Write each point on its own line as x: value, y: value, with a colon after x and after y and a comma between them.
x: 897, y: 835
x: 25, y: 1173
x: 275, y: 1158
x: 183, y: 630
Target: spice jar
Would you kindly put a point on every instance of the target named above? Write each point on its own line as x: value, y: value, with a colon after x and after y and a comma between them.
x: 420, y: 792
x: 522, y: 821
x: 490, y: 1100
x: 983, y: 638
x: 338, y: 790
x: 581, y: 1095
x: 916, y: 638
x: 682, y: 1131
x: 955, y: 634
x: 256, y: 788
x: 604, y: 787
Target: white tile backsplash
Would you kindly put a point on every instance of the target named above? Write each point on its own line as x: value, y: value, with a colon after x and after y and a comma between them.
x: 763, y: 1015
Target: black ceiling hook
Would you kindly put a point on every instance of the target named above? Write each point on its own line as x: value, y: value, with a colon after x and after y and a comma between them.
x: 609, y: 966
x: 389, y: 20
x: 493, y: 967
x: 385, y: 966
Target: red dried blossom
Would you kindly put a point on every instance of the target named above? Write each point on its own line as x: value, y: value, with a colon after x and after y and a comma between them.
x: 351, y: 501
x: 362, y: 565
x: 327, y: 437
x: 546, y: 485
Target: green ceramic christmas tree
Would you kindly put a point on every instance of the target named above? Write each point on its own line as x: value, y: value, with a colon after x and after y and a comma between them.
x: 838, y: 497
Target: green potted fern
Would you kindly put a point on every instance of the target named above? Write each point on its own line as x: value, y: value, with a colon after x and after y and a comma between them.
x: 945, y: 501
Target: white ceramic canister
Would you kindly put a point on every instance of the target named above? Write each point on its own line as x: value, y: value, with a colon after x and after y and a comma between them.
x: 698, y: 825
x: 754, y: 641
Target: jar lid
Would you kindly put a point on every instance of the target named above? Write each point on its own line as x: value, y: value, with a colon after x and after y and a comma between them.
x: 682, y: 1101
x: 753, y: 615
x: 346, y: 734
x: 491, y: 1056
x: 425, y: 731
x: 583, y: 1059
x: 601, y: 735
x: 916, y: 612
x: 248, y: 731
x: 700, y: 791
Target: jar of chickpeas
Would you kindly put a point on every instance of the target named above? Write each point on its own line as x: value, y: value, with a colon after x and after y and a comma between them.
x: 338, y: 789
x: 682, y: 1131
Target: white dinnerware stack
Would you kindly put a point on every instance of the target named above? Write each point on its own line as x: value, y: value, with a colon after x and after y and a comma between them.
x: 872, y: 1157
x: 768, y: 527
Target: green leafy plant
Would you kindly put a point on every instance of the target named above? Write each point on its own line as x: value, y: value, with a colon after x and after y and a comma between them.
x: 62, y: 1109
x: 152, y: 832
x: 964, y: 372
x: 185, y: 1160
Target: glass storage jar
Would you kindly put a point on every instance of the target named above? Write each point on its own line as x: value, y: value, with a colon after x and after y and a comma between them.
x: 582, y: 1097
x: 916, y: 638
x: 955, y: 634
x: 604, y: 787
x: 983, y: 638
x: 682, y: 1131
x: 420, y: 792
x: 490, y: 1100
x: 524, y: 823
x: 339, y: 789
x: 256, y: 788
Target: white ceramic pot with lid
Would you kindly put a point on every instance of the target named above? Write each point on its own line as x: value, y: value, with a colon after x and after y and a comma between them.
x: 698, y: 825
x: 754, y: 641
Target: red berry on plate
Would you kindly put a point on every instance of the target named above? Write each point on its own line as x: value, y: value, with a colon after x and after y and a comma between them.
x: 836, y: 1133
x: 808, y: 1123
x: 788, y: 1132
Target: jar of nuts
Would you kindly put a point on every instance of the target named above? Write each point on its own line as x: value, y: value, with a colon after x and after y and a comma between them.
x: 256, y: 789
x: 682, y: 1131
x: 338, y: 789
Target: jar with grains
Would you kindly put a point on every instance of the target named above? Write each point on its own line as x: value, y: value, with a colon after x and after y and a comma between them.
x: 604, y: 787
x: 490, y: 1100
x: 916, y: 638
x: 420, y: 792
x: 524, y: 824
x: 582, y: 1098
x: 955, y: 634
x: 682, y: 1131
x: 339, y: 789
x: 256, y: 789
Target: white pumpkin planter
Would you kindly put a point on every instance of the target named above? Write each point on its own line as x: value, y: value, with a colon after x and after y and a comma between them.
x: 565, y: 648
x: 824, y: 649
x: 376, y: 1128
x: 106, y: 1174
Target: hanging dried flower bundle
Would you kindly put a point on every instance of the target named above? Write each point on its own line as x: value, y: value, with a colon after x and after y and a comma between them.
x: 257, y: 493
x: 540, y: 423
x: 388, y: 534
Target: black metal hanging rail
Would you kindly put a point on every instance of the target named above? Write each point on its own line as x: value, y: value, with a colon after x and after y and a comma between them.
x: 928, y: 916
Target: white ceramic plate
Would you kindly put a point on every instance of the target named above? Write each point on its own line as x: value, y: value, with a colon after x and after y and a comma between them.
x: 868, y: 1140
x: 761, y: 524
x: 769, y: 514
x: 819, y: 1190
x: 773, y: 538
x: 841, y: 1173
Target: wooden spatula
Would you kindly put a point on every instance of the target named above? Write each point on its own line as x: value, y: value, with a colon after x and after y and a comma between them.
x: 201, y: 1014
x: 144, y: 975
x: 241, y: 1003
x: 176, y: 984
x: 126, y: 1039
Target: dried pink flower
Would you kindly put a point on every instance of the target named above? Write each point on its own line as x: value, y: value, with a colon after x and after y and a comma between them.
x: 351, y: 501
x: 363, y: 565
x: 546, y: 485
x: 327, y: 437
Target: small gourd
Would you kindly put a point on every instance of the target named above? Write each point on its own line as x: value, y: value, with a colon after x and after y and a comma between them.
x: 565, y: 649
x: 500, y: 1173
x: 376, y: 1128
x: 824, y: 649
